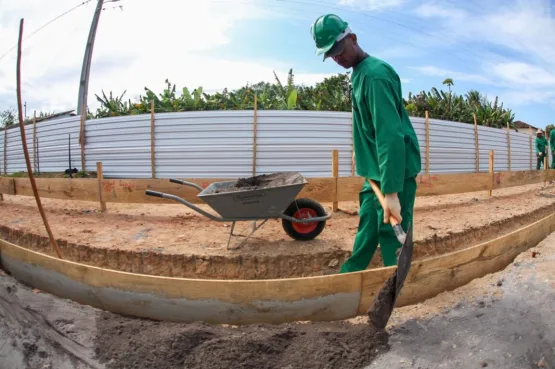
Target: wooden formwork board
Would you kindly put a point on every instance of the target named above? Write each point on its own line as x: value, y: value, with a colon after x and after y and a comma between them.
x: 320, y: 189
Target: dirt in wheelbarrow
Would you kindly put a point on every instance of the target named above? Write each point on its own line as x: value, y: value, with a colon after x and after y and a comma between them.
x: 262, y: 182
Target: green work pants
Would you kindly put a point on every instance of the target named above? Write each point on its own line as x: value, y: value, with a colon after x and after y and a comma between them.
x: 553, y: 159
x: 373, y: 231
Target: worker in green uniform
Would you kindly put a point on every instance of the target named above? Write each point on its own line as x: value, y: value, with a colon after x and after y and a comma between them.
x: 541, y: 148
x: 552, y: 144
x: 385, y: 143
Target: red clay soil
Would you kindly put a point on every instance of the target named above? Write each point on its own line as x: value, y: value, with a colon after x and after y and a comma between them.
x: 173, y: 240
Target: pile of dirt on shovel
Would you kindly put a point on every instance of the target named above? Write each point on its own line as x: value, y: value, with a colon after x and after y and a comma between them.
x: 262, y: 181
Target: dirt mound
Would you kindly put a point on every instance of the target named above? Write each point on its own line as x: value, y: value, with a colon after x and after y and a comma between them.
x: 261, y: 182
x: 134, y: 343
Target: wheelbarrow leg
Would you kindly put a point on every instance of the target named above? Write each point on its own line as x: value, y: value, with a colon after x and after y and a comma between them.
x: 254, y: 227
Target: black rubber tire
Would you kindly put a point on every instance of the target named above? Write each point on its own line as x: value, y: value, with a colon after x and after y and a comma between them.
x: 300, y: 204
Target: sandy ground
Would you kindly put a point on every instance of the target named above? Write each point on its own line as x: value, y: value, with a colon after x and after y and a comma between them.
x: 171, y: 229
x: 504, y: 320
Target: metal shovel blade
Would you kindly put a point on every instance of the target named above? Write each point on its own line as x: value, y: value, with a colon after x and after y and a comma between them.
x: 380, y: 311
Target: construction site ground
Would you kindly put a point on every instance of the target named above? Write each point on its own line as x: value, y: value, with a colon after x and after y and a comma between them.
x: 504, y: 320
x: 173, y: 240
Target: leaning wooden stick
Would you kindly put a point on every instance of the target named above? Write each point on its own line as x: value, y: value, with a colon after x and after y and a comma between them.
x: 24, y: 143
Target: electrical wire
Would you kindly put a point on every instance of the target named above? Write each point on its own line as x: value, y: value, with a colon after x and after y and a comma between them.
x: 46, y: 24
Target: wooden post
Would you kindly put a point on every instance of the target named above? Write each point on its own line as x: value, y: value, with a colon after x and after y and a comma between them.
x: 427, y: 142
x: 254, y: 134
x: 353, y: 164
x: 100, y: 177
x: 152, y: 142
x: 531, y: 153
x: 545, y: 161
x: 82, y: 136
x: 491, y: 171
x: 476, y: 144
x: 509, y: 145
x: 5, y: 151
x: 35, y: 141
x: 335, y: 174
x: 26, y: 152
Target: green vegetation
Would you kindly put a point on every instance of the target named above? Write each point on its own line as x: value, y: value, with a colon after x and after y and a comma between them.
x: 331, y: 94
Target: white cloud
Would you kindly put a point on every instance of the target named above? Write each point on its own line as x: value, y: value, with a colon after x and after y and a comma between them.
x: 431, y: 70
x: 525, y: 30
x: 140, y: 46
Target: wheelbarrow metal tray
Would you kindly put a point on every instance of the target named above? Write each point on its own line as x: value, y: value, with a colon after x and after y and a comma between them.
x: 269, y: 200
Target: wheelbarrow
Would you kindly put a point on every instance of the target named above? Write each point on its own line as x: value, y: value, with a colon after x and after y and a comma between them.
x: 259, y: 200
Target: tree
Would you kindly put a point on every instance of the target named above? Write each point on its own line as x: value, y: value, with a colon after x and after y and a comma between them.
x: 7, y: 117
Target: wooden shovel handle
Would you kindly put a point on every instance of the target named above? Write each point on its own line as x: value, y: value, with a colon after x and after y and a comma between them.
x: 381, y: 198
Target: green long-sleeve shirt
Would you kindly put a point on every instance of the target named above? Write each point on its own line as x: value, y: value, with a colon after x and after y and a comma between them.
x: 552, y: 139
x: 385, y: 143
x: 541, y: 144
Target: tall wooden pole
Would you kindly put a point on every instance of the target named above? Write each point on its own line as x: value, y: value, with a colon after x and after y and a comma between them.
x: 35, y: 141
x: 492, y: 176
x: 427, y: 142
x: 24, y: 143
x: 476, y: 144
x: 509, y: 145
x: 255, y: 134
x: 335, y: 175
x: 152, y: 141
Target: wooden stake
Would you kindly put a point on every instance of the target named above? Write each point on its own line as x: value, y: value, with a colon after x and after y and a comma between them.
x: 531, y: 153
x: 35, y: 141
x: 427, y: 142
x: 335, y: 174
x: 491, y: 171
x: 254, y: 134
x: 545, y: 161
x: 5, y: 151
x: 353, y: 164
x: 152, y: 141
x: 100, y: 177
x: 476, y: 144
x: 24, y: 143
x: 509, y: 145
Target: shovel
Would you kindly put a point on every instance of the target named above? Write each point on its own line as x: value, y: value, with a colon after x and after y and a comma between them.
x: 384, y: 303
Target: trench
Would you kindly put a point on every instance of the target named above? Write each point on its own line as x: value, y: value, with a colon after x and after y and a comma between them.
x: 250, y: 267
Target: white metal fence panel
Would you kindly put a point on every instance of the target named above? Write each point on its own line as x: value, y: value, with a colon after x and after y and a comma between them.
x: 54, y: 143
x: 53, y: 146
x: 220, y: 144
x: 520, y: 151
x: 303, y: 141
x: 493, y: 139
x: 204, y: 144
x: 419, y: 125
x: 452, y: 147
x: 122, y: 144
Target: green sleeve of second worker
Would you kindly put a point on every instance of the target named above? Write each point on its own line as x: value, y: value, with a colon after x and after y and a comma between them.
x: 383, y: 105
x: 552, y: 139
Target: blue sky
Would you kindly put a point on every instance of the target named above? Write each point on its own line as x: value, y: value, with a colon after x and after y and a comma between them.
x: 503, y: 48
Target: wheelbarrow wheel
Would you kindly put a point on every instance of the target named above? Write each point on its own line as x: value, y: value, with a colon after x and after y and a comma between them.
x: 303, y: 209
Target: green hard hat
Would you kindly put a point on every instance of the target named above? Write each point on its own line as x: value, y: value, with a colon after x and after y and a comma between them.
x: 327, y: 30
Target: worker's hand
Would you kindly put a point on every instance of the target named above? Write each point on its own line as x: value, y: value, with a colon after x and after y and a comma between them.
x: 392, y: 208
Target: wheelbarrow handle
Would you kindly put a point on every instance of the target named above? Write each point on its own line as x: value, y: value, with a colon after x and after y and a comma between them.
x: 154, y: 193
x: 194, y: 185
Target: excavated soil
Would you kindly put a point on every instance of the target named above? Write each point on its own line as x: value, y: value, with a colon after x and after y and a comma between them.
x: 172, y: 240
x: 263, y: 181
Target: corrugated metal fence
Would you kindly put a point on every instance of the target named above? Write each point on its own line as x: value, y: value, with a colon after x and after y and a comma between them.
x: 221, y: 144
